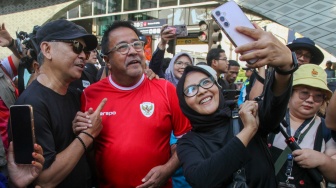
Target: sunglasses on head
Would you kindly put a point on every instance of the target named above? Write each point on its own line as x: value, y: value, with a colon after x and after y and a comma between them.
x: 77, y: 47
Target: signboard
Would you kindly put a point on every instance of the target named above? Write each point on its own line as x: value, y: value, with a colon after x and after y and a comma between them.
x: 188, y: 41
x: 150, y: 27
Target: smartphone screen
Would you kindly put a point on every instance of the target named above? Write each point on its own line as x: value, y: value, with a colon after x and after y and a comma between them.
x: 22, y: 129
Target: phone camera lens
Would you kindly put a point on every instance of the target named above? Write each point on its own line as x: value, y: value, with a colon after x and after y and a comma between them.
x: 217, y: 13
x: 222, y: 18
x: 226, y: 24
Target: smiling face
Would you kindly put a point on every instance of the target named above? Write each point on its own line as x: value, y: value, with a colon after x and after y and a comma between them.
x: 180, y: 64
x: 66, y: 64
x: 126, y: 69
x: 206, y: 101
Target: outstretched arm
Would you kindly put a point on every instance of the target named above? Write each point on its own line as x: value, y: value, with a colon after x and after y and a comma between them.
x: 330, y: 115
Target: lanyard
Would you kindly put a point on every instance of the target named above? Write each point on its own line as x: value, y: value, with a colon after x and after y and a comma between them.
x: 297, y: 135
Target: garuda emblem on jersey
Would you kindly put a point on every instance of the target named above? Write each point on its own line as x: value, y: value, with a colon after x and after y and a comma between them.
x: 147, y: 108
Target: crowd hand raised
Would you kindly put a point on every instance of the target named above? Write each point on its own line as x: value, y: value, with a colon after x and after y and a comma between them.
x: 5, y: 35
x: 267, y: 49
x: 308, y: 158
x: 4, y: 42
x: 21, y: 175
x: 156, y: 177
x: 166, y: 36
x: 248, y: 113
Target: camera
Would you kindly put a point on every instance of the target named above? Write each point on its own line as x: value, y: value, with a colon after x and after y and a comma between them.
x: 30, y: 44
x: 230, y: 94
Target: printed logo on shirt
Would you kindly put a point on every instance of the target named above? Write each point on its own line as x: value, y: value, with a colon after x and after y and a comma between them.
x: 108, y: 113
x: 85, y: 83
x: 147, y: 108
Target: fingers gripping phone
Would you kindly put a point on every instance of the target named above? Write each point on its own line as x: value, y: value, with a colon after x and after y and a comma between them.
x: 179, y: 30
x: 23, y: 135
x: 229, y: 16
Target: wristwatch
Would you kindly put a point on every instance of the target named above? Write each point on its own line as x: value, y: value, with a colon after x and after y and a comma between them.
x: 294, y: 68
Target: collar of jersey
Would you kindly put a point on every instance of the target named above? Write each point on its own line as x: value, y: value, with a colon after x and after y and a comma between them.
x: 127, y: 88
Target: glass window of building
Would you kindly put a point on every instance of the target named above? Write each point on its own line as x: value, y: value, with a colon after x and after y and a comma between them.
x: 165, y: 3
x: 183, y: 2
x: 105, y: 21
x: 145, y: 4
x: 86, y: 8
x: 196, y: 15
x: 114, y: 6
x: 152, y: 15
x: 167, y: 14
x: 180, y: 16
x: 130, y: 5
x: 99, y: 7
x: 74, y: 13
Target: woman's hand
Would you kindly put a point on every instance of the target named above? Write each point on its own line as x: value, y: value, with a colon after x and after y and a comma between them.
x: 248, y: 113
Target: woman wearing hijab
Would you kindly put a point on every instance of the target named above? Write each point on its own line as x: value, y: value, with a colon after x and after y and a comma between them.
x: 176, y: 67
x: 210, y: 153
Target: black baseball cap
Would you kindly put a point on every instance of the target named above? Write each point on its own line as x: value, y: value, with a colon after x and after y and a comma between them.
x: 307, y: 43
x: 65, y: 30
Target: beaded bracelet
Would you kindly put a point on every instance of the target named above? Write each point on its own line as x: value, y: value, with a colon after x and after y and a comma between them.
x: 84, y: 146
x: 88, y: 135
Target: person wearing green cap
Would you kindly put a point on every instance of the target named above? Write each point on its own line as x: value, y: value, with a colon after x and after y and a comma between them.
x: 309, y: 96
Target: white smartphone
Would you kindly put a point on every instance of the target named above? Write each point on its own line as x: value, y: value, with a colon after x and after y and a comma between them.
x: 229, y: 16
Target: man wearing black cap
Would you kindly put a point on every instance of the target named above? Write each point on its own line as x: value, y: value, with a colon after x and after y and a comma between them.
x: 306, y: 51
x: 64, y: 49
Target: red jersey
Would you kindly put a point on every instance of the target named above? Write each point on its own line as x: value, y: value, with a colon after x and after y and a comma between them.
x: 137, y: 123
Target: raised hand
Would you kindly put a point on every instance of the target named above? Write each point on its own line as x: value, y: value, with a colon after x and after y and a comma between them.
x: 5, y: 36
x: 267, y: 49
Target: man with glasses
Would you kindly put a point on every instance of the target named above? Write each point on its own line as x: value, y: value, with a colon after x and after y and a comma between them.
x: 64, y: 48
x: 217, y: 59
x: 133, y: 147
x: 306, y: 51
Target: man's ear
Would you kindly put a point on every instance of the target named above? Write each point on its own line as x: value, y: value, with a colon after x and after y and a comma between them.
x: 106, y: 58
x: 45, y: 49
x: 214, y: 63
x: 36, y: 67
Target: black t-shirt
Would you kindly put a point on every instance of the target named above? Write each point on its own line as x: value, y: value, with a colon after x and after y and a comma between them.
x: 53, y: 116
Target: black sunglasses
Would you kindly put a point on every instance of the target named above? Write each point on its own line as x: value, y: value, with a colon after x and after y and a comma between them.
x: 77, y: 47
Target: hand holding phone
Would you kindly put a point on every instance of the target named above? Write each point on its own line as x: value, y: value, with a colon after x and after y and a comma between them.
x: 229, y: 16
x: 179, y: 30
x: 23, y: 135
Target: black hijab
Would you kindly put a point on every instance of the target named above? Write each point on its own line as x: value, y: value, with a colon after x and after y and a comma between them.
x: 200, y: 122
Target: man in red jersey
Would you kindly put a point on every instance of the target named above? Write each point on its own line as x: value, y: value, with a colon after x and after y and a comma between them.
x: 133, y: 148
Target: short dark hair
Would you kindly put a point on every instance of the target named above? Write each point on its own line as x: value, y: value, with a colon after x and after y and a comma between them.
x: 213, y: 54
x: 233, y: 63
x: 113, y: 26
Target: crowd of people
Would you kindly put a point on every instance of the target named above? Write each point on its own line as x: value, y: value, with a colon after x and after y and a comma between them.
x: 123, y: 126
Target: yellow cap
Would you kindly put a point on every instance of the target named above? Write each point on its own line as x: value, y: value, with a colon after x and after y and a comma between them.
x: 312, y: 75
